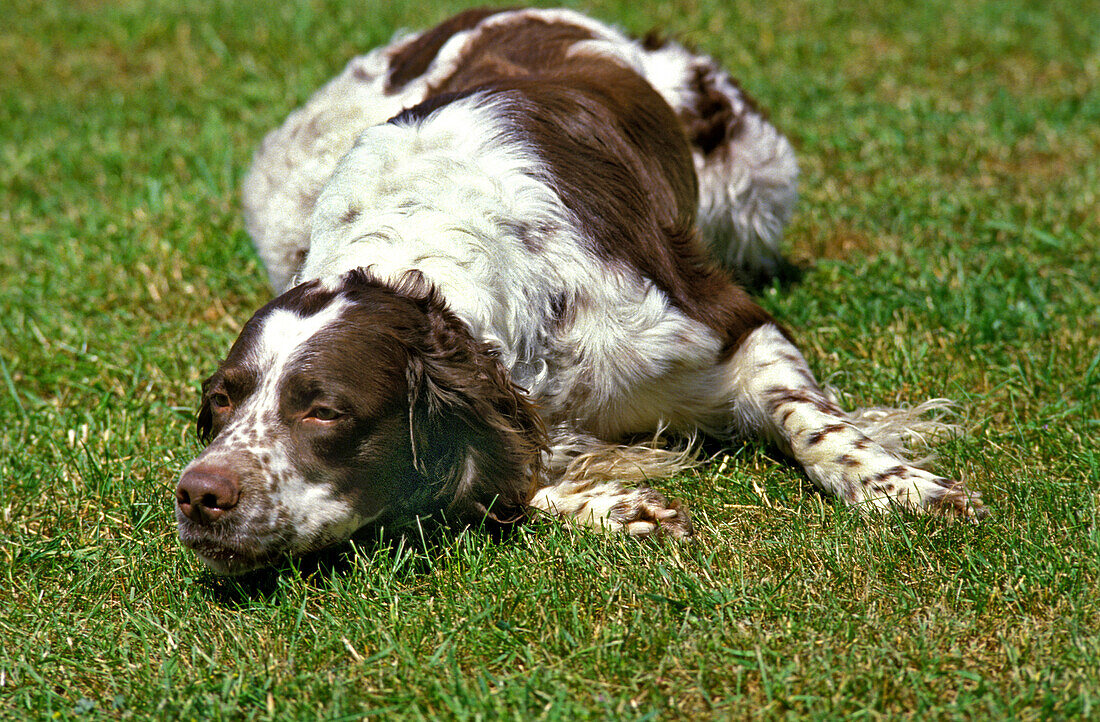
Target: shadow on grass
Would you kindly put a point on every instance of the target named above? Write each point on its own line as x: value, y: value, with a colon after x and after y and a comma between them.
x: 787, y: 274
x: 407, y: 554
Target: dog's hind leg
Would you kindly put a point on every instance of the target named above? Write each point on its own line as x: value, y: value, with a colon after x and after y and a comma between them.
x: 747, y: 170
x: 856, y: 457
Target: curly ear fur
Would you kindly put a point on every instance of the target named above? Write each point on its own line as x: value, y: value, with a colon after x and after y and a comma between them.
x: 476, y: 438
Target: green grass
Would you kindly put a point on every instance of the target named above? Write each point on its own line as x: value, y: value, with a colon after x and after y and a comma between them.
x: 950, y: 207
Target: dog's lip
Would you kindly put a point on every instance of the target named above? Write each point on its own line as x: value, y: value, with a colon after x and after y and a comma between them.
x: 227, y: 559
x: 230, y: 562
x: 223, y: 555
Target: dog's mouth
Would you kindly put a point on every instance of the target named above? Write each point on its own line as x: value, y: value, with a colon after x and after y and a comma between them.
x: 228, y: 561
x: 225, y: 553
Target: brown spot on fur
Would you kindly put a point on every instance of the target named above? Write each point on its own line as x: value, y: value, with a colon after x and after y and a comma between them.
x: 350, y: 216
x: 711, y: 122
x: 307, y: 198
x: 654, y: 40
x: 779, y: 396
x: 532, y: 237
x: 848, y: 460
x: 563, y: 313
x: 899, y: 472
x: 818, y: 436
x: 414, y: 58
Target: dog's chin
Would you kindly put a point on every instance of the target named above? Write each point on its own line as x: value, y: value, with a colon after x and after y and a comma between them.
x: 231, y: 563
x: 225, y: 558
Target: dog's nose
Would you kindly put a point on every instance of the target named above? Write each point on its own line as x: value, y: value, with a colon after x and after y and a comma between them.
x: 205, y: 494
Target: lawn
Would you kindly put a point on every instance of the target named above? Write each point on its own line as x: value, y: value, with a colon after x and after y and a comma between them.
x: 949, y: 226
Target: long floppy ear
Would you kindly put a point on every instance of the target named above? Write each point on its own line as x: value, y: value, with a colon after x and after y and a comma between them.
x: 477, y: 439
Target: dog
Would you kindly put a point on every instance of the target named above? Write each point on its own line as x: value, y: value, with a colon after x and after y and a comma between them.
x: 491, y: 242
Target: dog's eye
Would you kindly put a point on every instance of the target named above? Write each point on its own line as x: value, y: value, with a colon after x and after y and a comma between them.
x: 323, y: 413
x: 220, y: 401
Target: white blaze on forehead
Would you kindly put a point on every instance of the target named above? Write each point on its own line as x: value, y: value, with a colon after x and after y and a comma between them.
x: 284, y: 332
x: 309, y: 506
x: 283, y: 335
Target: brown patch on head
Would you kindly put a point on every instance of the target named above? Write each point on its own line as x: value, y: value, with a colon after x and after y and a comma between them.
x: 350, y: 216
x: 237, y: 376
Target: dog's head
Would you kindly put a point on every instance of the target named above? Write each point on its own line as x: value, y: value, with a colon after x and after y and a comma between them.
x: 350, y: 402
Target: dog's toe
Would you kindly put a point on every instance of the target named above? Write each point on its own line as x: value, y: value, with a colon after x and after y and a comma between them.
x: 648, y: 513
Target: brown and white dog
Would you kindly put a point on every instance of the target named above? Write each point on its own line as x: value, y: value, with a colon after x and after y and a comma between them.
x: 493, y: 234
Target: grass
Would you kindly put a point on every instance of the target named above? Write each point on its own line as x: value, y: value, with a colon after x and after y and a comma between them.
x: 951, y: 187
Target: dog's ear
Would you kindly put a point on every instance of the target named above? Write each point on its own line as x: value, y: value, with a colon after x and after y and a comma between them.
x: 477, y: 440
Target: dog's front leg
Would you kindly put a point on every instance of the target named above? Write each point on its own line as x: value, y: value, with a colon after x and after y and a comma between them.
x: 610, y: 506
x: 775, y: 394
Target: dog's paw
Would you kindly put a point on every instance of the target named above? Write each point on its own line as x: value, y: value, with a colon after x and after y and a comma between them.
x: 645, y: 512
x: 918, y: 490
x: 612, y: 507
x: 958, y: 501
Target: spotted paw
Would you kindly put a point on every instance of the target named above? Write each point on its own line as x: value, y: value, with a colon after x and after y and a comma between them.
x: 918, y: 490
x: 645, y: 512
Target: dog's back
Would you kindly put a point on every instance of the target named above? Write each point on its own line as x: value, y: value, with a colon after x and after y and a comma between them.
x: 746, y: 169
